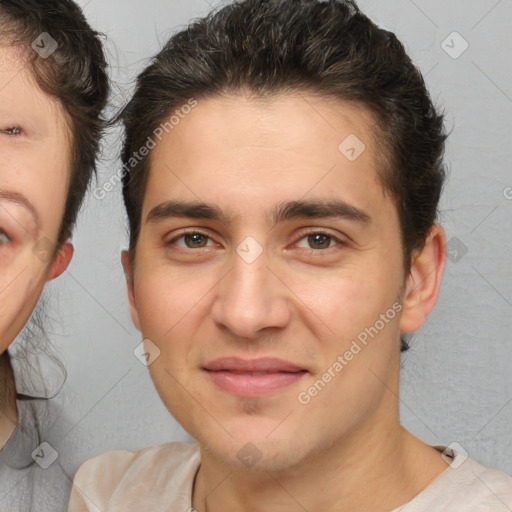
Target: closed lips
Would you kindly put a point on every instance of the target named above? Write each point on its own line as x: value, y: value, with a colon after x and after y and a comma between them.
x: 261, y: 366
x: 253, y: 378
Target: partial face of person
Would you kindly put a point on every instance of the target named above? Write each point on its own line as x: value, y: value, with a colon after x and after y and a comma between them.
x: 268, y: 277
x: 34, y: 176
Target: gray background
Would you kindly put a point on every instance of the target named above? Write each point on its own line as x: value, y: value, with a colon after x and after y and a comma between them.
x: 456, y: 380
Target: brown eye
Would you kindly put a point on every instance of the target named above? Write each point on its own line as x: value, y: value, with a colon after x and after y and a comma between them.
x: 191, y: 240
x: 195, y: 240
x: 319, y: 241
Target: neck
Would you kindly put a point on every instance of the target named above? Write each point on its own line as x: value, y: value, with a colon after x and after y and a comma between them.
x: 378, y: 467
x: 8, y: 410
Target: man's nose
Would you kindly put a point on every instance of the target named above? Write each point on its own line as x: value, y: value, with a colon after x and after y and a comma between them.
x: 251, y: 298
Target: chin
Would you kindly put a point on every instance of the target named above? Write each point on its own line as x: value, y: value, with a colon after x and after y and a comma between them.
x: 255, y: 453
x: 250, y: 435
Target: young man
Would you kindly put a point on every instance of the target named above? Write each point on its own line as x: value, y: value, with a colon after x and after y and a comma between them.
x: 283, y: 167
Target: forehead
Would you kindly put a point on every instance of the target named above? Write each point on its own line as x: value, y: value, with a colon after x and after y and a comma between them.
x: 284, y: 121
x: 238, y: 149
x: 22, y: 99
x: 11, y: 56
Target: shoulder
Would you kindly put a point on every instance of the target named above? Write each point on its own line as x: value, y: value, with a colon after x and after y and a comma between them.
x: 466, y: 484
x: 28, y: 461
x: 492, y: 484
x: 124, y: 476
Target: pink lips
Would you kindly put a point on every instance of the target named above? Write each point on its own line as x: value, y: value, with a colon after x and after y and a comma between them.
x: 253, y: 378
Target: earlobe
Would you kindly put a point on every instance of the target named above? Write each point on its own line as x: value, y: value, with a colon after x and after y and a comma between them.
x: 424, y: 280
x: 61, y: 260
x: 128, y: 272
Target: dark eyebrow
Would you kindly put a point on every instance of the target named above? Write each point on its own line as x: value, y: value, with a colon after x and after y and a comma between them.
x: 190, y: 209
x: 318, y: 209
x: 311, y: 209
x: 20, y: 199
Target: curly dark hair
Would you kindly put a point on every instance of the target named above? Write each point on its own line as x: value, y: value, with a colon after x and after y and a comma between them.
x: 328, y: 48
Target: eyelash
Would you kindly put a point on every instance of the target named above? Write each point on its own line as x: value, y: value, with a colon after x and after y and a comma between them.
x: 304, y: 235
x: 15, y: 129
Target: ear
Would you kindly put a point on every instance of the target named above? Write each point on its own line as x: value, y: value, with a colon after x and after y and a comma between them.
x: 424, y: 280
x: 61, y: 261
x: 128, y: 272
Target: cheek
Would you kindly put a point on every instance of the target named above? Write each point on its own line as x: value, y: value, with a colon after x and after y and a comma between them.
x: 348, y: 302
x: 167, y: 300
x: 51, y: 163
x: 18, y: 299
x: 359, y: 350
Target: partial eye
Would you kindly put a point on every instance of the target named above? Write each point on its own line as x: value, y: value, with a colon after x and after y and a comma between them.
x: 318, y: 241
x: 192, y: 239
x: 4, y: 238
x: 12, y: 131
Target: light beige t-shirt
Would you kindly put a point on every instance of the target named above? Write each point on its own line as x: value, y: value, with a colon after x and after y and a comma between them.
x: 160, y: 479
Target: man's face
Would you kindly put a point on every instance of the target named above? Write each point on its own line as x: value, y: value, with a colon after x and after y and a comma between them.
x: 34, y: 177
x: 249, y: 311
